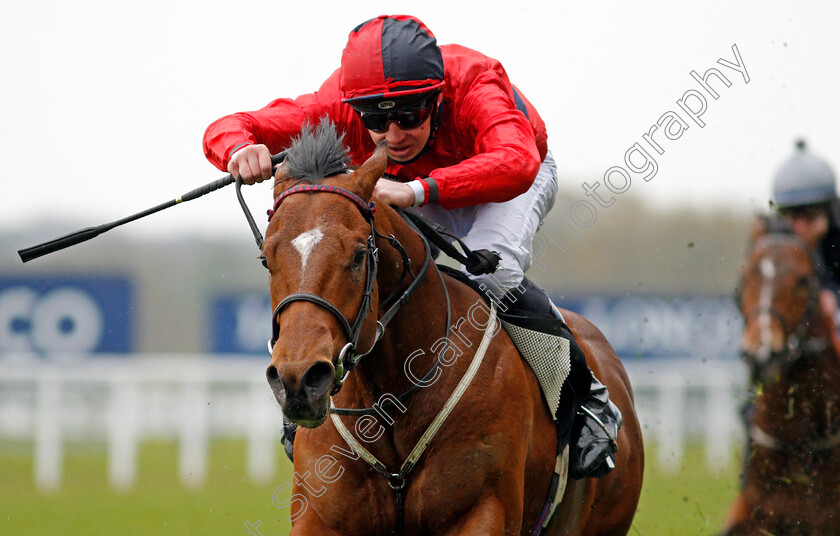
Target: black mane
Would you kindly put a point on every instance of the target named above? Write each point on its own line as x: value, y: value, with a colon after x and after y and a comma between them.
x: 317, y: 153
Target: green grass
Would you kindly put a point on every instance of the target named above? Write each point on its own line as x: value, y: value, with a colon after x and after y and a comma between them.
x: 157, y: 505
x: 693, y: 501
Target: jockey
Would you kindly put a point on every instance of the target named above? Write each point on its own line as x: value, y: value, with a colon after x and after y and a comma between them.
x: 465, y: 147
x: 805, y: 196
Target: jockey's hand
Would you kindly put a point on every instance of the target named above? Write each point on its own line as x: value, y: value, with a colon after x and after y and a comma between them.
x: 252, y: 163
x: 394, y: 193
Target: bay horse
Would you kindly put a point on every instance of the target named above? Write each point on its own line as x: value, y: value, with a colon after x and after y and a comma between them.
x: 791, y: 484
x: 342, y: 288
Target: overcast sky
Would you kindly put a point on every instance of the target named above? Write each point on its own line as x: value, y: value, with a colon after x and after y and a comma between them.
x: 104, y: 103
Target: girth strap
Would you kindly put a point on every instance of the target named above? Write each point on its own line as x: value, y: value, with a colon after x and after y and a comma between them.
x: 556, y: 490
x: 397, y: 481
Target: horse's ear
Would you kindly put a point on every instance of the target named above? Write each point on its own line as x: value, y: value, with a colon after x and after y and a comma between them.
x: 281, y: 175
x: 371, y: 171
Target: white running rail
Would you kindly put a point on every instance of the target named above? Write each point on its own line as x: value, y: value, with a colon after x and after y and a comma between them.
x: 121, y: 401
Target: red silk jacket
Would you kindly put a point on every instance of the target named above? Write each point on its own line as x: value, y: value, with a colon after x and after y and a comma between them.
x: 486, y: 150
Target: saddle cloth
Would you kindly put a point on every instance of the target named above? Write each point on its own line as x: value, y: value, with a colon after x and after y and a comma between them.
x: 549, y: 357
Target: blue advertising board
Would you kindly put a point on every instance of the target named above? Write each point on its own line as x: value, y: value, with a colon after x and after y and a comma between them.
x: 240, y: 323
x: 663, y: 326
x: 636, y: 326
x: 66, y: 314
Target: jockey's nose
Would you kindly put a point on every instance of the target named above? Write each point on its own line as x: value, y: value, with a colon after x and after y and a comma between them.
x: 394, y: 133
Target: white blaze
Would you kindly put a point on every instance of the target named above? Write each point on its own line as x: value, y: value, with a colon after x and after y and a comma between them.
x: 765, y: 303
x: 305, y: 242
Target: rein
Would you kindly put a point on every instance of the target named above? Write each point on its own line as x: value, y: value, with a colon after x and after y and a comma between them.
x: 798, y: 346
x: 403, y: 398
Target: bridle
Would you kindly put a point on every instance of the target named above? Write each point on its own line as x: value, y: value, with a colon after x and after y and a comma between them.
x: 798, y: 343
x: 349, y: 356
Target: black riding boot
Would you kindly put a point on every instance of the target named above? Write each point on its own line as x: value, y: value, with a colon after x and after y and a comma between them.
x: 595, y: 427
x: 289, y: 431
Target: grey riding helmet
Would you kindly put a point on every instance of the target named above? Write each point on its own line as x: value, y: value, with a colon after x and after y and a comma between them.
x: 802, y: 180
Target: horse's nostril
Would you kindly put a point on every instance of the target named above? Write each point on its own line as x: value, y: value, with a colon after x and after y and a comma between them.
x: 318, y: 379
x: 272, y: 375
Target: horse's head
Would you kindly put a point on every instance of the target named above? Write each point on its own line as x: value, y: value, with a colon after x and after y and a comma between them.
x: 321, y: 256
x: 779, y: 299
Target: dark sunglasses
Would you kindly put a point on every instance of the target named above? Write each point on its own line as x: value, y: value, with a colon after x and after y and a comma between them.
x: 405, y: 117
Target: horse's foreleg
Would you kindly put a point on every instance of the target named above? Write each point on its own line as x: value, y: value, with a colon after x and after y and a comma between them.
x: 486, y: 517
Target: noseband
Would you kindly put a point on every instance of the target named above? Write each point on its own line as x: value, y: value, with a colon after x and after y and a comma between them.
x: 348, y: 357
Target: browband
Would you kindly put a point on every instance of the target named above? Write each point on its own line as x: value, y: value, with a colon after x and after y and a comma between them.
x: 368, y: 209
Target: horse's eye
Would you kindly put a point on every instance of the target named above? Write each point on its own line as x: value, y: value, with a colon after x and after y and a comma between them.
x: 803, y: 282
x: 358, y: 258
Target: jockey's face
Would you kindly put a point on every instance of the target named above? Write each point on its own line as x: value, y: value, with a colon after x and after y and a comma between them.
x: 810, y: 223
x: 404, y: 123
x: 403, y: 145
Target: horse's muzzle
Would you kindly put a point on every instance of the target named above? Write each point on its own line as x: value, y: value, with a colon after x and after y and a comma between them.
x: 305, y: 400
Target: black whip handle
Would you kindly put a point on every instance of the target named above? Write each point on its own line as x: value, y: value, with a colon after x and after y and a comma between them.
x: 83, y: 235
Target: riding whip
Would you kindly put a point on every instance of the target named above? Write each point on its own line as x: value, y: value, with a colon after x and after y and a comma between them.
x: 82, y: 235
